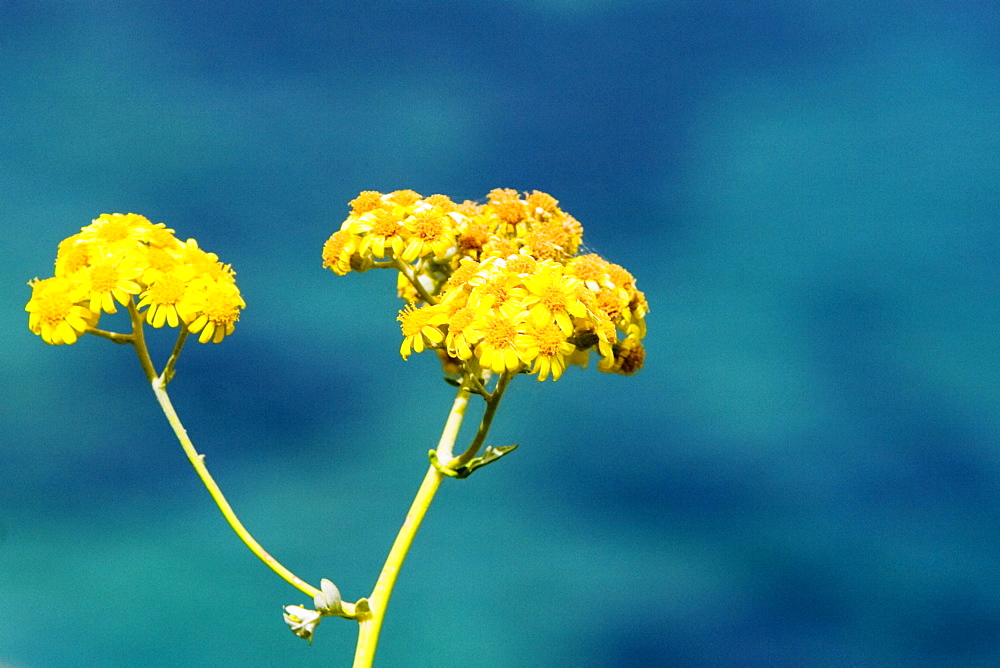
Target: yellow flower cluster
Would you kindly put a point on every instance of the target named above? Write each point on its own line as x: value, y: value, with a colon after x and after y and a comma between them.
x: 120, y: 257
x: 499, y: 283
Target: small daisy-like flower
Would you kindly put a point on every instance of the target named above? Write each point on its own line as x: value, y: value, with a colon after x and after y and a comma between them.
x: 163, y: 296
x: 614, y: 302
x: 158, y: 261
x: 550, y: 349
x: 553, y: 297
x: 380, y: 230
x: 429, y: 232
x: 115, y: 228
x: 467, y: 268
x: 592, y: 269
x: 628, y: 358
x: 506, y: 205
x: 55, y: 313
x: 500, y: 247
x: 338, y: 250
x: 462, y: 330
x: 366, y: 201
x: 109, y: 278
x: 472, y: 234
x: 402, y: 197
x: 161, y: 236
x: 442, y: 202
x: 541, y: 204
x: 199, y: 260
x: 421, y: 328
x: 504, y: 289
x: 73, y: 255
x: 555, y: 239
x: 211, y: 308
x: 522, y: 264
x: 503, y: 346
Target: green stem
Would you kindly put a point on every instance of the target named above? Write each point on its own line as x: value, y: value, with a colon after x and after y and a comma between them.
x: 370, y: 625
x: 159, y: 385
x: 114, y: 337
x: 411, y: 276
x: 168, y: 370
x: 198, y: 462
x: 139, y: 341
x: 492, y: 402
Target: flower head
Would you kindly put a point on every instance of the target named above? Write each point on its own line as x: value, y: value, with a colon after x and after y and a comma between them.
x: 498, y: 284
x: 121, y: 258
x: 210, y: 307
x: 421, y: 328
x: 56, y: 311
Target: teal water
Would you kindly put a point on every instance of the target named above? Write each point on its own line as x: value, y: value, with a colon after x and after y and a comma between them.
x: 807, y: 471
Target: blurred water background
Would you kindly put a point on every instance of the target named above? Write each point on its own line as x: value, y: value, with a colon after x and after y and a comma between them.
x: 805, y: 473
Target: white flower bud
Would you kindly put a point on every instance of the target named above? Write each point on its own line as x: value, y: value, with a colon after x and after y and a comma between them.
x: 302, y: 621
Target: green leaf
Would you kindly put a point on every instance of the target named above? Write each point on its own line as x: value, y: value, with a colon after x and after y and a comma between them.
x: 490, y: 455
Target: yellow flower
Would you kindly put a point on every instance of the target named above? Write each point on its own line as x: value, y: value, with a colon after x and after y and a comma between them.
x: 522, y: 264
x: 163, y: 296
x: 113, y: 229
x: 402, y: 198
x: 55, y: 313
x: 629, y: 358
x: 550, y: 349
x: 466, y: 270
x: 553, y: 297
x: 109, y: 278
x: 503, y: 346
x: 338, y: 250
x: 462, y: 329
x: 159, y: 261
x: 421, y: 328
x: 472, y: 232
x: 73, y: 255
x: 506, y: 205
x: 592, y: 269
x: 366, y: 201
x: 503, y: 280
x: 504, y: 289
x: 380, y: 230
x: 429, y: 232
x: 202, y: 262
x: 211, y: 306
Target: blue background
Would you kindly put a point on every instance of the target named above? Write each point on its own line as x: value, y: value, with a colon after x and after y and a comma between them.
x: 807, y: 471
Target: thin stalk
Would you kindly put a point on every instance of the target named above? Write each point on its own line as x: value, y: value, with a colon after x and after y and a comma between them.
x: 370, y: 625
x: 198, y: 462
x: 168, y: 370
x: 139, y: 341
x: 492, y: 402
x: 114, y: 337
x: 411, y: 276
x: 159, y: 383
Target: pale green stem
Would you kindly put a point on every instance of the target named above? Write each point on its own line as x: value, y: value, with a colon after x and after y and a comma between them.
x: 168, y: 370
x: 158, y: 383
x: 492, y: 402
x: 198, y: 462
x: 114, y: 337
x: 370, y: 625
x: 411, y: 276
x: 139, y: 341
